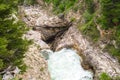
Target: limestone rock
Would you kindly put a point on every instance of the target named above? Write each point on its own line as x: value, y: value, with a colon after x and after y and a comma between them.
x: 40, y: 20
x: 10, y: 73
x: 36, y: 65
x: 100, y: 61
x: 36, y: 37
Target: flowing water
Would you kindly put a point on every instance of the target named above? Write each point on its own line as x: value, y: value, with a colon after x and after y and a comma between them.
x: 66, y: 65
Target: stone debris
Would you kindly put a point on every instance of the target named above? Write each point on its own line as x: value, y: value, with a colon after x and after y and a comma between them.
x: 10, y: 73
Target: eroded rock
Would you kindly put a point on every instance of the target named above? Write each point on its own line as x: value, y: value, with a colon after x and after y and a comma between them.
x: 36, y: 37
x: 100, y: 61
x: 36, y: 65
x: 40, y: 20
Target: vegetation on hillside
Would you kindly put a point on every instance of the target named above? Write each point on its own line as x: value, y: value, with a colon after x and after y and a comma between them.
x: 12, y: 45
x: 110, y: 19
x: 104, y: 76
x: 27, y: 2
x: 61, y: 6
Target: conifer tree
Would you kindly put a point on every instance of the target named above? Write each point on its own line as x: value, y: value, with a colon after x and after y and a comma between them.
x: 12, y: 46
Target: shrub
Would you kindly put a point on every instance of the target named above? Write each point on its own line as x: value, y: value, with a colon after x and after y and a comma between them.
x: 27, y: 2
x: 110, y: 11
x: 61, y: 6
x: 104, y: 76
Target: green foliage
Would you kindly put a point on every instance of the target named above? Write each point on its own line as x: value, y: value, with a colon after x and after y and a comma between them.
x: 42, y: 69
x: 113, y: 51
x: 23, y: 67
x: 12, y: 45
x: 89, y: 6
x: 27, y: 2
x: 1, y: 63
x: 61, y: 6
x: 110, y: 13
x: 87, y: 16
x: 15, y: 78
x: 0, y: 77
x: 72, y: 19
x: 117, y: 78
x: 89, y: 28
x: 104, y: 76
x: 110, y: 18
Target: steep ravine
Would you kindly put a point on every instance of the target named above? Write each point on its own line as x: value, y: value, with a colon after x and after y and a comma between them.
x: 64, y: 35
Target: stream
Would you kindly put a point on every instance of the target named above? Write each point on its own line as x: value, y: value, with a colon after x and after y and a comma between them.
x: 65, y: 65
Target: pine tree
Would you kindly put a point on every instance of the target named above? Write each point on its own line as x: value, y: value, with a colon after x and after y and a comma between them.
x: 12, y: 46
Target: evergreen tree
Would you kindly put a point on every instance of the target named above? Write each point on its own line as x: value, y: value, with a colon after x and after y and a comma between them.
x: 12, y: 46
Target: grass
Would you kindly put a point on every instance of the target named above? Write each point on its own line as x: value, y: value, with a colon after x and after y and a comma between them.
x: 61, y: 6
x: 113, y: 51
x: 89, y: 28
x: 104, y: 76
x: 27, y: 2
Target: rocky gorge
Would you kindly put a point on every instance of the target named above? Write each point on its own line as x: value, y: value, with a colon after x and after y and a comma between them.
x: 49, y: 31
x: 59, y: 40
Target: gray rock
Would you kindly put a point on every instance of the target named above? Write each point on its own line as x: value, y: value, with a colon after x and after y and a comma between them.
x: 46, y: 53
x: 61, y: 16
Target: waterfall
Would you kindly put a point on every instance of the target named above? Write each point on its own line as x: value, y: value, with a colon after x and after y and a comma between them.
x: 66, y: 65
